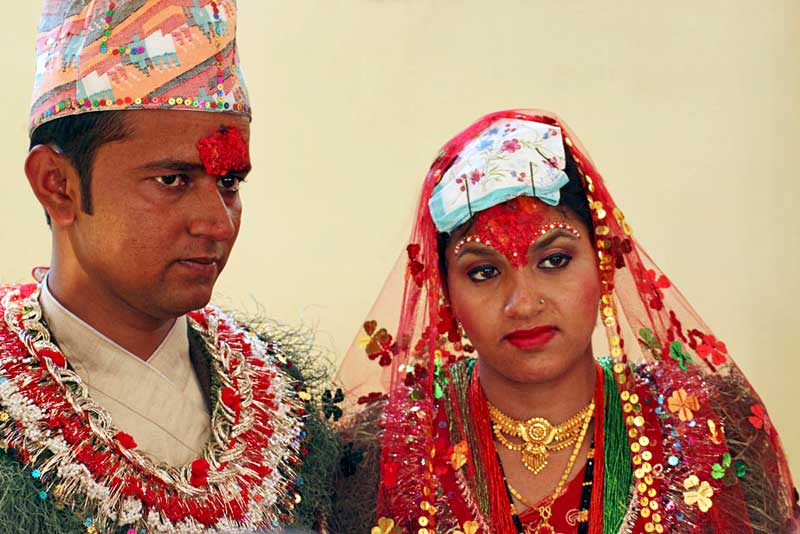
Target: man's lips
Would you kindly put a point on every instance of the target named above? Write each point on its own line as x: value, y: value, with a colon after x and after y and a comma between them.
x: 206, y: 266
x: 532, y: 338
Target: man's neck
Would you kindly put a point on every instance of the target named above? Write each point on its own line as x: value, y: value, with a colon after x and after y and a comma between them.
x: 138, y: 333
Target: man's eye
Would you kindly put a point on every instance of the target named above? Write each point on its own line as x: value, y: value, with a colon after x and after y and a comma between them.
x: 230, y: 183
x: 172, y: 180
x: 558, y: 260
x: 483, y: 272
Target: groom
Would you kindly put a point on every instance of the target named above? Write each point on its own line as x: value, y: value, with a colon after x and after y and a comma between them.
x: 127, y: 404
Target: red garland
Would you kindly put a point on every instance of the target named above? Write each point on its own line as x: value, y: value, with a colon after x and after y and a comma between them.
x: 598, y: 476
x: 100, y: 461
x: 501, y: 520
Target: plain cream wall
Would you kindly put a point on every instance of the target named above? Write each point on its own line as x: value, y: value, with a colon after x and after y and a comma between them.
x: 690, y: 109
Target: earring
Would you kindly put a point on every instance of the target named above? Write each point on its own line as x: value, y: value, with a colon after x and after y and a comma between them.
x: 461, y: 330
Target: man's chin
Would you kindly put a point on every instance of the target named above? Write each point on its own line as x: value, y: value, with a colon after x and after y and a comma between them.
x: 190, y: 301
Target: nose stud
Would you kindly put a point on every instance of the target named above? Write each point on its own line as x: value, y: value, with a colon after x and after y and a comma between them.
x: 541, y: 302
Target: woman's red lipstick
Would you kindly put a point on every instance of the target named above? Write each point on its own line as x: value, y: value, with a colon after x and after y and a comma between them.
x: 534, y: 338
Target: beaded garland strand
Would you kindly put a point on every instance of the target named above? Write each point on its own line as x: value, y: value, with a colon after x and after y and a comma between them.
x: 244, y: 479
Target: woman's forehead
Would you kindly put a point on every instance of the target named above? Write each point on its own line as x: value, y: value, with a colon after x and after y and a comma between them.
x: 513, y: 226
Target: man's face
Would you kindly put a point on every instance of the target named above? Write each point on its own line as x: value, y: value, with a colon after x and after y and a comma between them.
x: 163, y: 225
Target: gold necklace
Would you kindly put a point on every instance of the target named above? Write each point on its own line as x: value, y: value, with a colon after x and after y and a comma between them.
x: 545, y: 511
x: 539, y: 436
x: 517, y: 495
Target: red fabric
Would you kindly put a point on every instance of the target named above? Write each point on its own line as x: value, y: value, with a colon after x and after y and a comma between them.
x: 565, y: 509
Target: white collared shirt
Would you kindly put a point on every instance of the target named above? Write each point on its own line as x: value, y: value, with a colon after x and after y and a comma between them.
x: 158, y: 401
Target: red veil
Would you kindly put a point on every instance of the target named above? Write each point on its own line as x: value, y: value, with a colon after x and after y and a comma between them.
x: 704, y: 455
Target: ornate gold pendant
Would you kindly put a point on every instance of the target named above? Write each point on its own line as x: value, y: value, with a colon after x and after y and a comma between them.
x: 537, y: 433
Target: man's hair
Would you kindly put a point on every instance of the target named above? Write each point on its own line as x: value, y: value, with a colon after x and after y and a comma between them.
x: 78, y: 137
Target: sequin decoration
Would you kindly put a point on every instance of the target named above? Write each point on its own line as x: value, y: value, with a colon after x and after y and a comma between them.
x: 149, y: 54
x: 107, y: 27
x: 512, y: 227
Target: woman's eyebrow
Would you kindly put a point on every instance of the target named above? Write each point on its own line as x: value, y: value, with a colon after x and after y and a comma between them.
x: 551, y: 236
x: 476, y: 249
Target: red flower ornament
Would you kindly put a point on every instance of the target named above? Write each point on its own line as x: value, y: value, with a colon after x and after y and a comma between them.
x: 199, y: 476
x: 231, y: 399
x: 415, y: 268
x: 714, y: 349
x: 126, y: 440
x: 54, y: 356
x: 760, y: 419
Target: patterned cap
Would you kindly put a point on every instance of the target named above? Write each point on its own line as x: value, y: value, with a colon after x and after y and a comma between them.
x: 97, y: 55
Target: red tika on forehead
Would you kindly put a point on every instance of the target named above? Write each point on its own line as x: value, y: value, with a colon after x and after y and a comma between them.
x: 512, y: 227
x: 224, y: 151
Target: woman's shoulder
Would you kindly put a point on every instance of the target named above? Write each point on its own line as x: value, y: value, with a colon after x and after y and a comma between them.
x: 720, y: 422
x: 358, y: 476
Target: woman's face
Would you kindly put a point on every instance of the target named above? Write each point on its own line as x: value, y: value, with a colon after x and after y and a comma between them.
x: 526, y: 294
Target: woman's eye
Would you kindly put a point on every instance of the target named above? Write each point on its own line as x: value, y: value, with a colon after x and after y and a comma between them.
x: 172, y: 181
x: 484, y: 272
x: 230, y: 183
x: 558, y: 260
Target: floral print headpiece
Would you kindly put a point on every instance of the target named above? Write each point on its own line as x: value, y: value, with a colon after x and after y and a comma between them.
x: 510, y: 158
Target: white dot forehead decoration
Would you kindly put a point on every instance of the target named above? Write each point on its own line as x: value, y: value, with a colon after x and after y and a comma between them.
x: 469, y: 239
x: 538, y: 234
x: 555, y: 226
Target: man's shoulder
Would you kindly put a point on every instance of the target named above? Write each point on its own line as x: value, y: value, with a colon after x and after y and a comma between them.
x: 288, y: 353
x: 291, y: 349
x: 9, y: 287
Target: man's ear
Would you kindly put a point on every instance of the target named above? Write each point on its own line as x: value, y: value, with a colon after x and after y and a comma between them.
x: 49, y: 174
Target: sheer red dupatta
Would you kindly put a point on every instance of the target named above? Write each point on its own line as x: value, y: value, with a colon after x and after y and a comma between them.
x: 704, y: 453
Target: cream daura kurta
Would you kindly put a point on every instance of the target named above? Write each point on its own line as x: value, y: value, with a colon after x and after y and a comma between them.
x: 158, y: 401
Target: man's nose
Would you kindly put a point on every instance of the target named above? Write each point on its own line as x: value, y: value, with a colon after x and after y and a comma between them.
x: 212, y: 215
